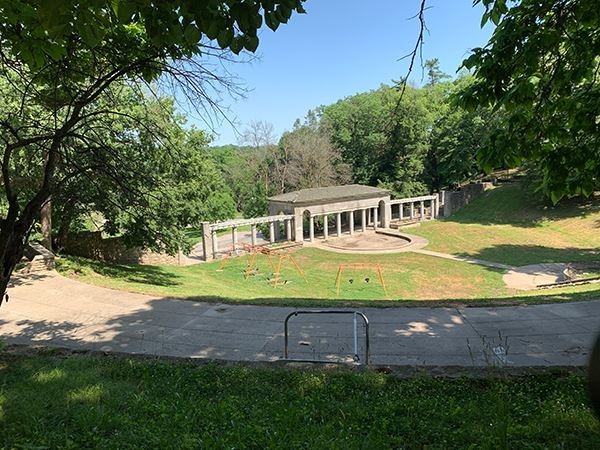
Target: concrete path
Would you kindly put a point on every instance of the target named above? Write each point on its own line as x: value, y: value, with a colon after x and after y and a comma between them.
x: 534, y: 275
x: 56, y: 311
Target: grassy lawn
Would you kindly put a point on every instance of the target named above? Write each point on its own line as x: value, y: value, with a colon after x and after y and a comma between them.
x: 109, y: 402
x: 503, y: 225
x: 410, y: 279
x: 506, y: 225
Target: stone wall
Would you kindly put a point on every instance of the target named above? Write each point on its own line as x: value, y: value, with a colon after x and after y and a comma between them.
x: 452, y: 201
x: 37, y: 258
x: 91, y: 244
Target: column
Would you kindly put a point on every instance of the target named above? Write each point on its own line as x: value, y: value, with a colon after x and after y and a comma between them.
x: 387, y: 215
x: 288, y: 229
x: 207, y: 252
x: 375, y: 218
x: 351, y: 221
x: 234, y: 235
x: 338, y: 224
x: 412, y: 210
x: 401, y: 205
x: 215, y: 243
x: 253, y: 234
x: 311, y: 229
x: 432, y: 212
x: 298, y: 225
x: 272, y: 232
x: 277, y: 231
x: 363, y: 220
x: 422, y: 210
x: 437, y: 206
x: 325, y: 227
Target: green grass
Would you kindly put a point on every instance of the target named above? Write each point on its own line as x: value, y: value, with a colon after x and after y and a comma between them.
x: 109, y: 402
x: 503, y: 225
x: 507, y: 225
x: 411, y: 279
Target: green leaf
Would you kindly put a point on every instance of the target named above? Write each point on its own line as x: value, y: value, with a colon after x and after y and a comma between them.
x: 271, y: 21
x: 225, y: 37
x: 192, y: 34
x: 236, y: 45
x: 125, y: 11
x: 251, y: 43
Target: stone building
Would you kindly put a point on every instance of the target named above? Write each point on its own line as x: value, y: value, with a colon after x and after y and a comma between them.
x: 307, y: 214
x: 351, y: 206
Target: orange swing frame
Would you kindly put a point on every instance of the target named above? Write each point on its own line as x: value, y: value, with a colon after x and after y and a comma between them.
x: 372, y: 266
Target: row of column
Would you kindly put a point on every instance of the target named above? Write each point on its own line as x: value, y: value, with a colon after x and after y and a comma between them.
x: 273, y: 234
x: 369, y: 216
x: 412, y: 215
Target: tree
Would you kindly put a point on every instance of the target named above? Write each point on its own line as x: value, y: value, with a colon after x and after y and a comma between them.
x: 457, y: 136
x: 308, y: 159
x: 434, y: 73
x: 167, y: 182
x: 541, y: 68
x: 383, y: 139
x: 57, y: 59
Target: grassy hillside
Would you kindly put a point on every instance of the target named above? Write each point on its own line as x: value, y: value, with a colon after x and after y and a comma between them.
x: 507, y: 225
x: 503, y: 225
x: 92, y: 402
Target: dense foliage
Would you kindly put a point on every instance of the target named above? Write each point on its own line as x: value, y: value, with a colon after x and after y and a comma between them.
x: 541, y: 68
x: 410, y: 142
x: 61, y: 59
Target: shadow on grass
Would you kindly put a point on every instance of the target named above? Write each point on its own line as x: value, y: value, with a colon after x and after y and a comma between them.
x: 545, y: 297
x: 522, y: 255
x: 137, y: 273
x: 512, y: 204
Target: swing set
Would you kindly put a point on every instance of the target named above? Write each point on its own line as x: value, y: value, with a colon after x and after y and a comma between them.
x: 252, y: 251
x: 354, y: 266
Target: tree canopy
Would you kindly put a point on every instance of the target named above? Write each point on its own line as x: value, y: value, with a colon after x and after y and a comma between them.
x: 541, y: 68
x: 59, y: 60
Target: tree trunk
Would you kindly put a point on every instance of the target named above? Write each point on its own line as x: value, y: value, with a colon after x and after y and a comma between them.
x: 63, y: 231
x: 46, y: 224
x: 14, y: 233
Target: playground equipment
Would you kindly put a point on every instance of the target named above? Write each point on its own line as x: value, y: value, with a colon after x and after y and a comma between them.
x: 252, y: 251
x: 372, y: 266
x: 283, y: 257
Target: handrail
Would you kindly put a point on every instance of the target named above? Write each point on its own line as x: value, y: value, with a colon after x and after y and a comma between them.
x: 327, y: 311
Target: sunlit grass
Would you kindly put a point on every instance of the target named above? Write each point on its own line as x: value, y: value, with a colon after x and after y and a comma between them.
x: 109, y: 402
x: 506, y: 225
x: 503, y: 225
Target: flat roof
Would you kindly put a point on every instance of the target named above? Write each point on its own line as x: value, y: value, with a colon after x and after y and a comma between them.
x: 330, y: 194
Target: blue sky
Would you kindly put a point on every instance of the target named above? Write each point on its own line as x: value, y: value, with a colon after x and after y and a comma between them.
x: 339, y: 48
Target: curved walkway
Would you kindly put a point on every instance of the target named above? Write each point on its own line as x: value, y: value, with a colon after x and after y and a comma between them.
x: 48, y: 309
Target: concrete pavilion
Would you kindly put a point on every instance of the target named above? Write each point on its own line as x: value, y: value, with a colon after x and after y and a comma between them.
x: 352, y: 207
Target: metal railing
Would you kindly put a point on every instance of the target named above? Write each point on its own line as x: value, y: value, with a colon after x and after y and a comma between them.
x: 355, y: 317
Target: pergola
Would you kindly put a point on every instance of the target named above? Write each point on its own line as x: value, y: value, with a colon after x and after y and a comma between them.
x: 354, y: 207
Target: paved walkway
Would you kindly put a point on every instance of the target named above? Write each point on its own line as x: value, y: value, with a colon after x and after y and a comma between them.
x: 49, y: 309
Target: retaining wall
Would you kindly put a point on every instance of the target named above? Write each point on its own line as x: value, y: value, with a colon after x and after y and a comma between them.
x: 92, y: 245
x: 452, y: 201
